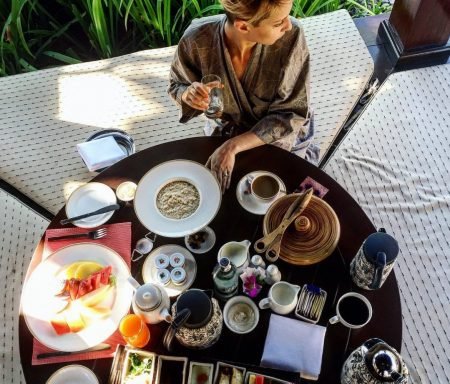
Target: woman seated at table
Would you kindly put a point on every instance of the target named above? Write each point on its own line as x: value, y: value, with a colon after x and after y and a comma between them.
x: 261, y: 56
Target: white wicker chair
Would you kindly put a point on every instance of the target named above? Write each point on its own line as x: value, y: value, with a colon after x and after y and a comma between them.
x: 20, y: 230
x: 44, y: 114
x: 396, y: 163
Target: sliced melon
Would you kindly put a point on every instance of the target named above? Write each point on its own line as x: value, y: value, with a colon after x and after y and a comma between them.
x: 69, y: 272
x: 93, y: 313
x: 94, y: 298
x: 86, y: 269
x: 59, y: 324
x: 74, y: 320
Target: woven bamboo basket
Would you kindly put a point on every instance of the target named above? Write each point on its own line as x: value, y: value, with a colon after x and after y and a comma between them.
x: 312, y: 237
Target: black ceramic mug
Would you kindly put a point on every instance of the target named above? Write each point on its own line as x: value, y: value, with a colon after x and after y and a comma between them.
x: 374, y: 261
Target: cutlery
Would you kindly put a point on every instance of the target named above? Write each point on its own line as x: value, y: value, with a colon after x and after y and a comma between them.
x: 99, y: 347
x: 271, y: 242
x: 94, y: 235
x: 106, y: 209
x: 116, y: 369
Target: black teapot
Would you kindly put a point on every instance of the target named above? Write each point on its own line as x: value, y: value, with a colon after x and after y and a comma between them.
x: 197, y: 320
x: 375, y: 362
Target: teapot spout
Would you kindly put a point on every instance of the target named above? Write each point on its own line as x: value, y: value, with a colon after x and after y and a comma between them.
x: 165, y: 315
x: 133, y: 283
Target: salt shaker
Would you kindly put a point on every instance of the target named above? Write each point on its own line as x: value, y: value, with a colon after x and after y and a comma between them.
x: 257, y: 261
x: 273, y: 274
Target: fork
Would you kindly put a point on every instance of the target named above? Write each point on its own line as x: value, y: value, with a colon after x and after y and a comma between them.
x: 94, y: 235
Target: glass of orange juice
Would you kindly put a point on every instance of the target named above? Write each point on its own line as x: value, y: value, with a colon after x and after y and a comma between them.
x: 134, y: 330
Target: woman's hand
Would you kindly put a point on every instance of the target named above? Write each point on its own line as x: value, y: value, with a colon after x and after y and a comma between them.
x: 221, y: 163
x: 196, y: 96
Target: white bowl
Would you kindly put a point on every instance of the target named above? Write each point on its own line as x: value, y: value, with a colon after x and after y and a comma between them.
x: 241, y: 315
x: 73, y: 374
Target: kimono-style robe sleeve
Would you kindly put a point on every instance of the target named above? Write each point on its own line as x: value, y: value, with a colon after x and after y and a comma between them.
x: 271, y: 99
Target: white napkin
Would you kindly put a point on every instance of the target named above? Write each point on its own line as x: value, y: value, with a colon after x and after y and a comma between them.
x: 294, y: 346
x: 100, y: 153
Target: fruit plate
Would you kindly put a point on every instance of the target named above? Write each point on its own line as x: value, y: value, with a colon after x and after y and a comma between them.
x: 40, y: 305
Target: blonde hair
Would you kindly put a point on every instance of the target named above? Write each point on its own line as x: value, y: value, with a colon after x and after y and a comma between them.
x: 252, y: 11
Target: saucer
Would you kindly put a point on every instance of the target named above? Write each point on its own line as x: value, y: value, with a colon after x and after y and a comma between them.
x: 150, y: 272
x: 248, y: 201
x: 73, y: 374
x: 88, y: 198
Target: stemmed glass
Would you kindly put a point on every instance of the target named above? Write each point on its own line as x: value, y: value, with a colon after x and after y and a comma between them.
x: 214, y: 85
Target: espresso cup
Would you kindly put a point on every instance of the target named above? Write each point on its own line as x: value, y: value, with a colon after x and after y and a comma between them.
x: 265, y: 187
x: 352, y: 310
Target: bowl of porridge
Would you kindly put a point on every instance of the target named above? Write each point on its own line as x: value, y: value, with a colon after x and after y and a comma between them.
x: 171, y: 198
x: 178, y: 199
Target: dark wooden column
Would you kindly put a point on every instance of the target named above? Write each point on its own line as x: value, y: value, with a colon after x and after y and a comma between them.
x: 417, y: 32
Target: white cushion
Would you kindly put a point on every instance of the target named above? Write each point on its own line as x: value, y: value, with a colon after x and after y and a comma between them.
x: 20, y: 231
x: 396, y: 163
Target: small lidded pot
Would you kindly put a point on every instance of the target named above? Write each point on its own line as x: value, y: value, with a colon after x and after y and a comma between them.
x: 162, y: 261
x: 178, y: 276
x: 177, y: 260
x: 163, y: 276
x: 197, y: 320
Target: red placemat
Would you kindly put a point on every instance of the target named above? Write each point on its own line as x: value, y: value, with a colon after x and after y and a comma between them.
x: 119, y: 240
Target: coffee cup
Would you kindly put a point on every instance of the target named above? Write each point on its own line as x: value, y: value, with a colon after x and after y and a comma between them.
x: 352, y: 310
x: 264, y: 187
x: 282, y: 298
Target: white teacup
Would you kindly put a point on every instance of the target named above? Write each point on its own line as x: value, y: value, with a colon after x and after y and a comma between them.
x: 282, y: 298
x: 264, y: 187
x: 352, y: 310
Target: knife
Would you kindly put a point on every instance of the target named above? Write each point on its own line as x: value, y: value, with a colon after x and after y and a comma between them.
x: 99, y: 347
x: 106, y: 209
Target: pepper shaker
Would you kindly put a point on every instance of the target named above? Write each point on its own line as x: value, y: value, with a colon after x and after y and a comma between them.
x: 257, y: 261
x: 273, y: 274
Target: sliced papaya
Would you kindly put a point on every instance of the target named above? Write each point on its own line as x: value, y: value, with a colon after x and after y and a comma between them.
x: 59, y: 324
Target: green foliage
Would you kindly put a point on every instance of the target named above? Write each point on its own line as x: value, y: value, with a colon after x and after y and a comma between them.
x: 44, y: 33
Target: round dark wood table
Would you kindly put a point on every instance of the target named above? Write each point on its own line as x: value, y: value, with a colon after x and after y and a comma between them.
x: 234, y: 223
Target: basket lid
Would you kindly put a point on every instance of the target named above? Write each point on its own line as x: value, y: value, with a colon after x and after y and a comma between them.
x: 312, y: 237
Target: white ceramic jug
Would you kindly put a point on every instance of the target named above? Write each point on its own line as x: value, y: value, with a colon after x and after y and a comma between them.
x: 282, y: 298
x: 151, y: 302
x: 237, y: 252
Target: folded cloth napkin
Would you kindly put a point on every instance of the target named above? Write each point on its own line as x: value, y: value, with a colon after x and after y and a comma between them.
x: 294, y: 346
x: 100, y: 153
x: 118, y: 239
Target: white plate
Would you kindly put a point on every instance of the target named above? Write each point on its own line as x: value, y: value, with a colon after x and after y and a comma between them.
x: 88, y: 198
x: 39, y: 303
x: 157, y: 177
x: 248, y: 201
x: 149, y: 269
x: 73, y: 374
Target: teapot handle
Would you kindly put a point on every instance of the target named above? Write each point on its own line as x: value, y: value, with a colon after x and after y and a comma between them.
x: 177, y: 323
